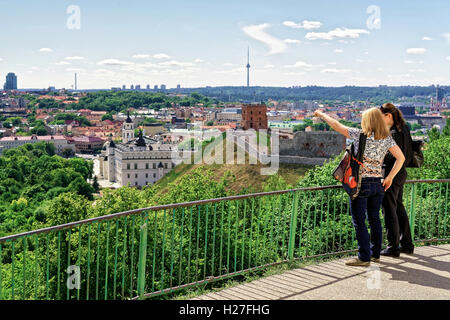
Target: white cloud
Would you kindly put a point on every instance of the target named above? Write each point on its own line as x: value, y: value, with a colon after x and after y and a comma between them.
x: 305, y: 24
x: 229, y: 64
x: 291, y: 41
x: 45, y: 50
x: 416, y: 70
x: 1, y: 59
x: 416, y: 50
x: 379, y: 69
x: 62, y: 63
x: 338, y: 50
x: 366, y: 52
x: 198, y: 60
x: 141, y: 56
x: 332, y: 63
x: 447, y: 36
x: 74, y: 58
x: 269, y: 66
x: 257, y: 32
x: 400, y: 76
x: 161, y: 56
x: 336, y: 33
x: 359, y: 60
x: 427, y: 39
x: 335, y: 70
x: 413, y: 62
x: 174, y: 63
x: 113, y: 62
x: 75, y: 69
x: 303, y: 65
x: 448, y: 58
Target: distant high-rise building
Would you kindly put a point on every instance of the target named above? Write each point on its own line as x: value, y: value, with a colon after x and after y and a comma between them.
x: 178, y: 86
x: 155, y: 87
x: 138, y: 87
x: 124, y: 87
x: 163, y: 87
x: 148, y: 87
x: 11, y: 82
x: 132, y: 87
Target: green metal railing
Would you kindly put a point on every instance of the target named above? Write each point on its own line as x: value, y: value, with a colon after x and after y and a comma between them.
x: 157, y: 250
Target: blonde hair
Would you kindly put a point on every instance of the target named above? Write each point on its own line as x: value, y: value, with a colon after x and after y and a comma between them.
x: 373, y: 122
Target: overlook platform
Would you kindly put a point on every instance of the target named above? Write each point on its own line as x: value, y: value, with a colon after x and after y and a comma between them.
x: 424, y: 275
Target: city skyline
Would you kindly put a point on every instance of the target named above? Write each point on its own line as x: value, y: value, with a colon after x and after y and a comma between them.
x: 202, y: 44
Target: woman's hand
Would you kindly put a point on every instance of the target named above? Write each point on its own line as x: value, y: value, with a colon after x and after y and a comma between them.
x: 387, y: 182
x: 318, y: 114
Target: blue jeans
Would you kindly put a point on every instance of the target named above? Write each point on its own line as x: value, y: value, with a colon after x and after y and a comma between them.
x: 369, y: 200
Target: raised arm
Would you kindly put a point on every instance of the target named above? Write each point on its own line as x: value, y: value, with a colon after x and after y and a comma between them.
x: 400, y: 159
x: 334, y: 124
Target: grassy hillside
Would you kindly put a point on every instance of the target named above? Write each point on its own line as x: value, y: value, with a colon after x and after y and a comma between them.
x: 246, y: 177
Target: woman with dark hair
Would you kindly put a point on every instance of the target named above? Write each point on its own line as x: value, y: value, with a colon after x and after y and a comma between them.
x: 396, y: 219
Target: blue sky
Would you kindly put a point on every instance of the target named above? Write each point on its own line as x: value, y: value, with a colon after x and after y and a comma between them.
x: 199, y: 43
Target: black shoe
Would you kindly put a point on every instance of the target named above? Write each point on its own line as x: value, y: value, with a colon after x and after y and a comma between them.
x: 407, y: 250
x: 390, y: 253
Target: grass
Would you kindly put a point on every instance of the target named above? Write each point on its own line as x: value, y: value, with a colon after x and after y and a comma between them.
x: 245, y: 175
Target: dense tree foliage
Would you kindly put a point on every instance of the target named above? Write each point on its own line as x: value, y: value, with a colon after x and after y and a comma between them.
x: 124, y: 100
x: 30, y: 176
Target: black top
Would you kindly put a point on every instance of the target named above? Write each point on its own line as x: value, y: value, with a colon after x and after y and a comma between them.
x: 404, y: 141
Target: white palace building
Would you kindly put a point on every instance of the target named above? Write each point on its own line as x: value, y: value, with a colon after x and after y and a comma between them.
x: 135, y: 162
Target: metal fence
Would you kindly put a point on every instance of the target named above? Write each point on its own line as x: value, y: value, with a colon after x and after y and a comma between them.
x: 157, y: 250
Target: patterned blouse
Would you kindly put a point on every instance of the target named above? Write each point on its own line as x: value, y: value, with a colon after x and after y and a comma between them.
x: 374, y: 153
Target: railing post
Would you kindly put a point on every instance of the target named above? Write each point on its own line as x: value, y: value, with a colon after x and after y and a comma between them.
x: 412, y: 213
x: 142, y: 255
x: 293, y: 226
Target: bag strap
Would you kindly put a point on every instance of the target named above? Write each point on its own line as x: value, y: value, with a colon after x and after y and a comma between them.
x: 361, y: 147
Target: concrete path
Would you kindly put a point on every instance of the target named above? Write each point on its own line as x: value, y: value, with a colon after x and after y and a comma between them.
x: 424, y: 275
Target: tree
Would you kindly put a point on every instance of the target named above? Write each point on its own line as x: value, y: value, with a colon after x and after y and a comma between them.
x: 95, y: 184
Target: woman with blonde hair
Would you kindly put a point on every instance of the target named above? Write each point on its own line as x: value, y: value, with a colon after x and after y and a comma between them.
x: 370, y: 197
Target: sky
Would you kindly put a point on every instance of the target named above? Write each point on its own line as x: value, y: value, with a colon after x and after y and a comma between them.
x: 201, y: 43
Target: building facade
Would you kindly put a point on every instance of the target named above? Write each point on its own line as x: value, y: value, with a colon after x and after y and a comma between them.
x: 136, y: 162
x: 254, y: 116
x: 60, y: 142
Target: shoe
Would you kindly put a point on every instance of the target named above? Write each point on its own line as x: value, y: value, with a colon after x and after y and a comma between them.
x: 390, y: 253
x: 407, y: 250
x: 357, y: 262
x: 375, y: 259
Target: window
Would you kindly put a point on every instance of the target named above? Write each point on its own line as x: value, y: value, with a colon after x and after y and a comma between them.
x: 128, y: 166
x: 154, y: 165
x: 165, y: 165
x: 154, y: 175
x: 128, y: 176
x: 135, y: 166
x: 146, y: 175
x: 135, y: 175
x: 146, y: 166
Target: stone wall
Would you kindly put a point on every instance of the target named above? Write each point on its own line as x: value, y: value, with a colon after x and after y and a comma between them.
x: 311, y: 147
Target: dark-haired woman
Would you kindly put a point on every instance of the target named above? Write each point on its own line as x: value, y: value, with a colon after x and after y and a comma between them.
x: 396, y: 219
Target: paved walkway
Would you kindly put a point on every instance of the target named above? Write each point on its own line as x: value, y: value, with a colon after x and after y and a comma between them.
x: 424, y: 275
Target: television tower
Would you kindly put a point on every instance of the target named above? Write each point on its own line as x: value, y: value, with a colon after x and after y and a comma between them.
x: 248, y: 67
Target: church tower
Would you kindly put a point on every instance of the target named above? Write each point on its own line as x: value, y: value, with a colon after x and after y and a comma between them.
x: 128, y: 129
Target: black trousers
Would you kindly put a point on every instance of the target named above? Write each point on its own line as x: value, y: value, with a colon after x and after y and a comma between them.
x: 395, y: 217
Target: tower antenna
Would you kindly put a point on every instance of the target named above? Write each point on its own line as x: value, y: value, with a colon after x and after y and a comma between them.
x: 248, y: 66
